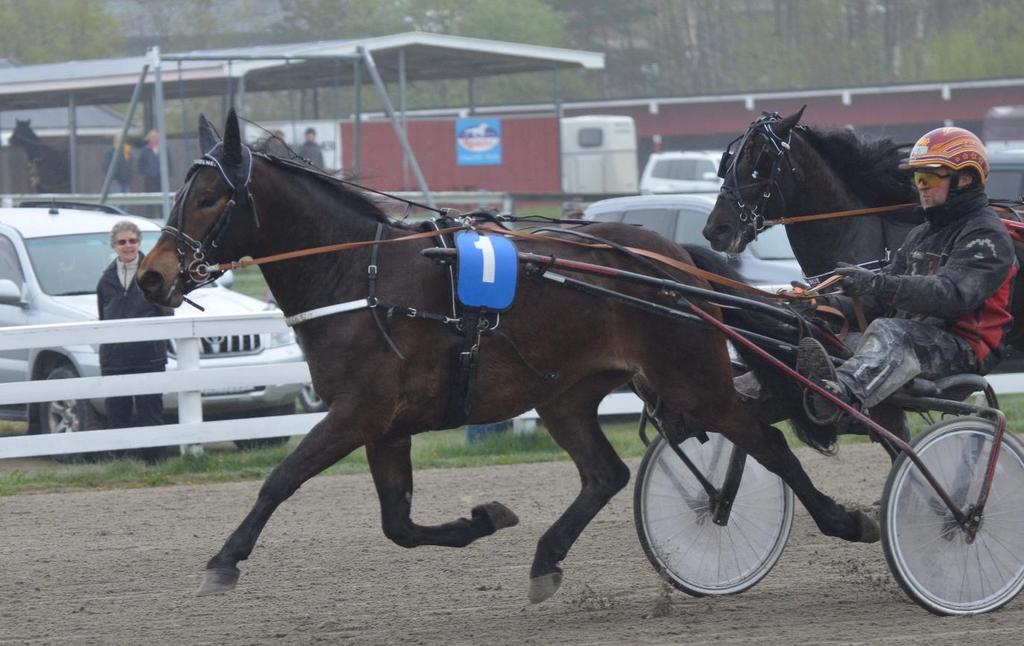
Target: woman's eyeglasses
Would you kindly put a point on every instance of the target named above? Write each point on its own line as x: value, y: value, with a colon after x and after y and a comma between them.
x: 926, y: 179
x: 124, y: 241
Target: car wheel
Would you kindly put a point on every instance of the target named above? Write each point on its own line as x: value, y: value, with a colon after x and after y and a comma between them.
x: 266, y: 442
x: 309, y: 401
x: 69, y: 416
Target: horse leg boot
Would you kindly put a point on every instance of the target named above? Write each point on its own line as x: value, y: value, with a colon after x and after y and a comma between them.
x: 391, y: 466
x: 573, y: 424
x: 321, y: 448
x: 724, y: 410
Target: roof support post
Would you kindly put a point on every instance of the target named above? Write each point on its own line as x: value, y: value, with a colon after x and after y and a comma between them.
x: 471, y: 94
x: 401, y: 111
x: 117, y: 159
x: 240, y: 99
x: 72, y: 144
x: 291, y: 103
x: 161, y: 127
x: 399, y: 132
x: 357, y: 119
x: 557, y: 89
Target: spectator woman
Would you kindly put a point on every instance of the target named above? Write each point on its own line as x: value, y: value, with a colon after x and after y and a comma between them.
x: 119, y: 297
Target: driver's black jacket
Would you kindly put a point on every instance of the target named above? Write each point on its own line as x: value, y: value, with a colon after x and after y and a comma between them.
x: 955, y: 270
x: 115, y: 302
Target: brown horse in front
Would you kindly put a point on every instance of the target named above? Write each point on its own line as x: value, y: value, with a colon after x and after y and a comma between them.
x: 556, y: 350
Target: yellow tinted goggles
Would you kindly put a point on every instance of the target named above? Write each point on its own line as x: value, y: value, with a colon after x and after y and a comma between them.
x: 928, y: 179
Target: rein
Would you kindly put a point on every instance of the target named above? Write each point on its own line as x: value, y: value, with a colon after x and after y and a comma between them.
x: 248, y: 261
x: 661, y: 258
x: 796, y: 219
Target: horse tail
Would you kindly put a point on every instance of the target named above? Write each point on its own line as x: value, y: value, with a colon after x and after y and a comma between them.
x: 788, y: 391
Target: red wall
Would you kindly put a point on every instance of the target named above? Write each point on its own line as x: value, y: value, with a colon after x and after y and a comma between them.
x: 529, y: 162
x: 530, y: 145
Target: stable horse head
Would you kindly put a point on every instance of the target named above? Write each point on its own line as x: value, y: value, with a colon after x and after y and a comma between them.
x: 752, y: 167
x: 25, y: 137
x: 203, y: 228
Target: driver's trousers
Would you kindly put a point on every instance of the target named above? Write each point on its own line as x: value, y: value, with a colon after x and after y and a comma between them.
x: 892, y: 352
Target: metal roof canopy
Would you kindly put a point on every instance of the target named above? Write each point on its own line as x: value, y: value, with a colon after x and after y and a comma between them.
x: 409, y: 56
x: 281, y: 67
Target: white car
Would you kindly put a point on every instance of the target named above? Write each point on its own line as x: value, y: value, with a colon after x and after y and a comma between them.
x: 681, y: 172
x: 50, y: 262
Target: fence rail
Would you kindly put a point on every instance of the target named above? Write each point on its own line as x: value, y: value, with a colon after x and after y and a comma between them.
x: 189, y: 380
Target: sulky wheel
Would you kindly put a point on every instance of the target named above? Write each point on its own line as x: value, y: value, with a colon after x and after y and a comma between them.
x: 936, y: 561
x: 673, y: 518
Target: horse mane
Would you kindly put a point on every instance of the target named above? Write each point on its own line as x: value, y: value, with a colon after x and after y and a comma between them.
x: 360, y: 201
x: 868, y: 166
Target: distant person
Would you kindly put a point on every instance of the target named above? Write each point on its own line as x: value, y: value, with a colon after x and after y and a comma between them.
x: 310, y: 149
x: 149, y: 162
x: 275, y: 144
x: 120, y: 152
x: 118, y: 297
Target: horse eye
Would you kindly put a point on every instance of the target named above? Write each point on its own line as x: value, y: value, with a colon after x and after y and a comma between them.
x: 206, y: 201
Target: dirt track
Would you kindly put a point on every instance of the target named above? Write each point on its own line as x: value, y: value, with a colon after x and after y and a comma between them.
x: 119, y: 567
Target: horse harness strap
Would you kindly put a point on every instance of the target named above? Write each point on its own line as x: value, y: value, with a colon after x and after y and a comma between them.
x: 371, y: 301
x: 348, y: 306
x: 471, y: 325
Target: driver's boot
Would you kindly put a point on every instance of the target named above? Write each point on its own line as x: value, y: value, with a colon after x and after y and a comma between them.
x: 813, y: 362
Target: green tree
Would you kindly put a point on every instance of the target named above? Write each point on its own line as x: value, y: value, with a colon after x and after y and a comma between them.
x: 46, y: 31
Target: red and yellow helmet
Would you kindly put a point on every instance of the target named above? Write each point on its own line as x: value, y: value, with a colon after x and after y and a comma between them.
x: 952, y: 148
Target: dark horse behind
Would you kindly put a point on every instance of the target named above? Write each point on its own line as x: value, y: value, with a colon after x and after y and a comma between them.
x: 557, y: 350
x: 782, y: 168
x: 48, y: 168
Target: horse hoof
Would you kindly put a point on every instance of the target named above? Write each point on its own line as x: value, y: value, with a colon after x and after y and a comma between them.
x: 869, y: 531
x: 542, y: 587
x: 499, y: 515
x: 218, y: 581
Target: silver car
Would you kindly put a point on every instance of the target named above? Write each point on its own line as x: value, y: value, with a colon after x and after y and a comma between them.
x: 50, y: 262
x: 767, y: 262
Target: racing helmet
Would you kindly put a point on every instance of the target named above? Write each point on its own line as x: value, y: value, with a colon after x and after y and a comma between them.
x: 954, y: 148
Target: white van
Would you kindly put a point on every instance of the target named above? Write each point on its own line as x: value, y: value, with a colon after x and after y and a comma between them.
x: 598, y: 154
x: 681, y: 172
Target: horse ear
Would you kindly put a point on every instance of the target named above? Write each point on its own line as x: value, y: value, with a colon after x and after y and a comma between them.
x: 208, y: 136
x: 232, y: 140
x: 783, y: 127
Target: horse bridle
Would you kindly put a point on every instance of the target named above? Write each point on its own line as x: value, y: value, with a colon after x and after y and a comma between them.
x: 197, y: 272
x: 752, y: 216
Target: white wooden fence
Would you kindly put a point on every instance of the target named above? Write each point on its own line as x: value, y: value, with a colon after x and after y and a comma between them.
x: 189, y: 381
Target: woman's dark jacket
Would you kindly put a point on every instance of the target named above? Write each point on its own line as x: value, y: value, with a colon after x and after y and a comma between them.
x: 115, y: 302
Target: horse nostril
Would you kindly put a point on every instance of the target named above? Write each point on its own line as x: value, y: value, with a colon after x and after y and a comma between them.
x: 150, y: 282
x: 717, y: 232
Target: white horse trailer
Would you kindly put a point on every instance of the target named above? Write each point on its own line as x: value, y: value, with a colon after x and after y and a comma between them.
x: 599, y: 155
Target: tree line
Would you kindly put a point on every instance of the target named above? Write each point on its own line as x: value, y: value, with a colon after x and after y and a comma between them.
x: 653, y: 47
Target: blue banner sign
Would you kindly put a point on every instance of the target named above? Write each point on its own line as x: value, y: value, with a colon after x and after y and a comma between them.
x: 478, y: 142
